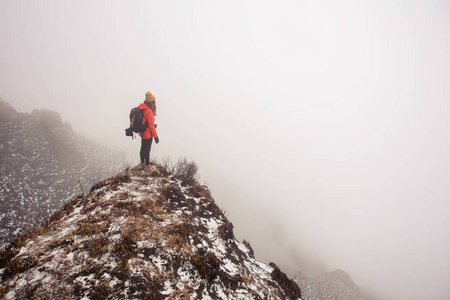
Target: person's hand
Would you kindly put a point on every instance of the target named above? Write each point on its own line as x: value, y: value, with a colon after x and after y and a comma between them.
x: 157, y: 140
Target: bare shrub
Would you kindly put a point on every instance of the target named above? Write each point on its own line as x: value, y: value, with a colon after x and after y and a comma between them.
x: 183, y: 169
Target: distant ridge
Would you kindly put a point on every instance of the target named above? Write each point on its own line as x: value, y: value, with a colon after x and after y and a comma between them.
x: 336, y: 285
x: 42, y: 161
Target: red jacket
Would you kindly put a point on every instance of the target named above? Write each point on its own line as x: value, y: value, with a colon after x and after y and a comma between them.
x: 150, y: 119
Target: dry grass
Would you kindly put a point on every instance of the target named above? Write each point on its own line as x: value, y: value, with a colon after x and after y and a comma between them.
x: 290, y: 288
x: 180, y: 294
x: 226, y: 231
x: 66, y: 242
x: 98, y: 246
x: 251, y: 252
x: 4, y: 288
x: 146, y: 205
x: 155, y: 173
x: 172, y: 192
x: 153, y: 286
x: 19, y: 265
x: 69, y: 206
x: 131, y: 234
x: 93, y: 225
x: 113, y: 182
x: 231, y: 282
x: 101, y: 291
x: 199, y: 191
x: 56, y: 217
x: 207, y: 264
x: 132, y: 209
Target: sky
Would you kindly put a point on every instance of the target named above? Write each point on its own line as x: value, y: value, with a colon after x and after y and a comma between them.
x: 321, y: 127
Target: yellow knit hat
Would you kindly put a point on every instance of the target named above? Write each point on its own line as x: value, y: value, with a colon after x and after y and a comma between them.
x: 149, y: 97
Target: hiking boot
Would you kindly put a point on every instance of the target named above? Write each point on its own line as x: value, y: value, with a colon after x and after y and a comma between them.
x: 147, y: 168
x: 142, y: 167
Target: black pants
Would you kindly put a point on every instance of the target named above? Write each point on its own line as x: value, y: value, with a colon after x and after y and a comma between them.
x: 146, y: 146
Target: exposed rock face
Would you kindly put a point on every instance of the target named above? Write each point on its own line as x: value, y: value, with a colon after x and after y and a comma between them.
x: 336, y: 285
x: 139, y: 235
x: 41, y: 164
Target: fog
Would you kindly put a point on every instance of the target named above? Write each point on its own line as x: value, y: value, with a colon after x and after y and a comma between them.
x: 321, y: 127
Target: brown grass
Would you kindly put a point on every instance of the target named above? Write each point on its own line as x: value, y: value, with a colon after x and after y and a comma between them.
x: 4, y: 288
x: 19, y: 265
x: 290, y: 287
x: 57, y: 216
x: 207, y: 264
x: 226, y: 231
x: 69, y: 206
x: 14, y: 247
x: 155, y: 173
x: 152, y: 287
x: 146, y: 205
x: 130, y: 209
x: 172, y: 192
x: 251, y: 252
x: 199, y: 191
x: 65, y: 242
x: 114, y: 181
x: 101, y: 291
x: 123, y: 195
x: 131, y: 233
x: 180, y: 294
x: 98, y: 246
x: 90, y: 226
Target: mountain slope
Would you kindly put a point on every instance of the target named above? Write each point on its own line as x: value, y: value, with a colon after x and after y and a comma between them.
x: 139, y: 236
x: 42, y: 161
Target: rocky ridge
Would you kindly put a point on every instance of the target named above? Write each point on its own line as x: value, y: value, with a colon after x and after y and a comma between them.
x: 139, y: 235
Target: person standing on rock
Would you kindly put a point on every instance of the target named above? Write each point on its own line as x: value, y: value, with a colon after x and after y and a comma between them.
x: 149, y: 107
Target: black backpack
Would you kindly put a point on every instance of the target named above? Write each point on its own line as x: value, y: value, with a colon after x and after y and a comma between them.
x: 138, y: 123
